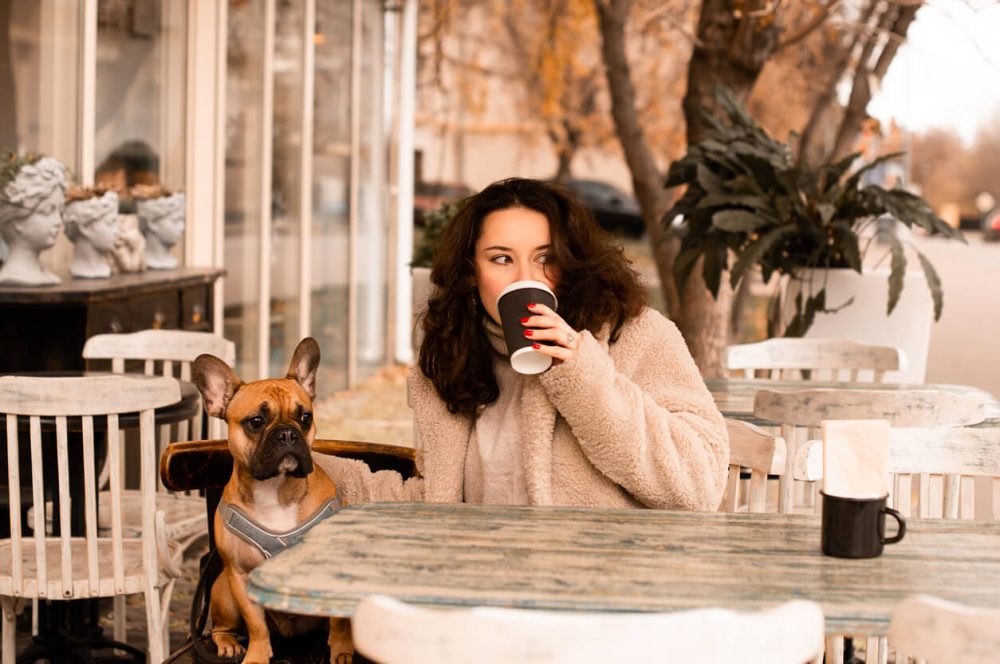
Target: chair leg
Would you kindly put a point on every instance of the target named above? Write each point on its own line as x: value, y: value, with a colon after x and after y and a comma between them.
x: 835, y: 650
x: 154, y: 626
x: 119, y: 611
x: 8, y: 650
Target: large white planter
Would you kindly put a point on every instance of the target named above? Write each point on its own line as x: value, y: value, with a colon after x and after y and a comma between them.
x: 865, y: 320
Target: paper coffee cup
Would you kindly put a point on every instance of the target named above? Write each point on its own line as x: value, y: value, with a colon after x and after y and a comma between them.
x: 513, y: 306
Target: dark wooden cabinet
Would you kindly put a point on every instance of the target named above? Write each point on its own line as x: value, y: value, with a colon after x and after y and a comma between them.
x: 44, y: 328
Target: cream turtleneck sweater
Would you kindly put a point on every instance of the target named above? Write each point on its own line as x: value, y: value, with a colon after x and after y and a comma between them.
x: 494, y: 467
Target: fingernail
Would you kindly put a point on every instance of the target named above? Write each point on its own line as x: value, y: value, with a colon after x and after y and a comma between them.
x: 536, y: 346
x: 532, y: 305
x: 528, y: 333
x: 525, y: 319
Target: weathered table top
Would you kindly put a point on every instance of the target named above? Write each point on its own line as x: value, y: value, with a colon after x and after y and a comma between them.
x: 619, y: 560
x: 734, y: 396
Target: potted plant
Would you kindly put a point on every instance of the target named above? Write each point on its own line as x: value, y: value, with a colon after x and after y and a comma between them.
x: 423, y: 252
x: 747, y: 194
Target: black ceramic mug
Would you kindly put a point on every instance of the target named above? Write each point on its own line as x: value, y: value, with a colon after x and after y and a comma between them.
x: 513, y: 306
x: 855, y: 527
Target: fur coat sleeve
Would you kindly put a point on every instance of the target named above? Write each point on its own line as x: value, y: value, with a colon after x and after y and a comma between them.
x: 642, y: 415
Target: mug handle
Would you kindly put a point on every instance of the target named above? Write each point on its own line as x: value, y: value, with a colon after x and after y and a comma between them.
x: 900, y: 521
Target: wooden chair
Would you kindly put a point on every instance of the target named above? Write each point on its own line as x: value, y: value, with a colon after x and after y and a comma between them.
x: 799, y: 412
x: 757, y: 452
x: 207, y: 465
x: 391, y: 632
x: 943, y: 632
x: 126, y: 559
x: 170, y: 351
x: 814, y: 359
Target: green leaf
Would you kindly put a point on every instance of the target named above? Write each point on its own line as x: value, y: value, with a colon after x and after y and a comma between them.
x: 683, y: 265
x: 732, y: 200
x: 755, y: 251
x: 716, y: 254
x: 737, y: 221
x: 897, y: 273
x: 708, y: 180
x: 826, y: 212
x: 933, y: 283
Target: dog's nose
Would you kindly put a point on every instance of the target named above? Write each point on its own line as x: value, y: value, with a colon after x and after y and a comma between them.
x: 288, y: 436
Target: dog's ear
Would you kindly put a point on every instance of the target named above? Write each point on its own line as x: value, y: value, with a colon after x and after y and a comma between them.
x: 304, y: 364
x: 216, y: 382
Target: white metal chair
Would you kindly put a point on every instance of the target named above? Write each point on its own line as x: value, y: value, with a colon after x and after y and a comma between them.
x: 815, y: 359
x: 943, y: 632
x: 126, y: 559
x: 758, y: 452
x: 391, y: 632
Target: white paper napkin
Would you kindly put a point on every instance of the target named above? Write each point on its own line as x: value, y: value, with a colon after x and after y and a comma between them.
x: 856, y: 458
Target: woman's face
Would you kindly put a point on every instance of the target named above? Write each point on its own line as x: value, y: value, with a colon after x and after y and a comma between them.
x: 40, y: 230
x: 514, y: 245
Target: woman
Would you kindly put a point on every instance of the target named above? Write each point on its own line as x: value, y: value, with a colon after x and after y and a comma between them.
x: 621, y: 419
x: 31, y: 207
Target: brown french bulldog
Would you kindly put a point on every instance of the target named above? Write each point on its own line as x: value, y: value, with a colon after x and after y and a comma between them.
x: 274, y: 493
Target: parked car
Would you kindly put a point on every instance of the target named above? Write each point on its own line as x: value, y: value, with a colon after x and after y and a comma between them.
x: 614, y: 209
x: 429, y: 195
x: 991, y: 225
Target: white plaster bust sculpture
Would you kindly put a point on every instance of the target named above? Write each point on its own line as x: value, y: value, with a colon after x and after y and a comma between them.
x: 161, y: 219
x: 91, y: 223
x: 31, y: 205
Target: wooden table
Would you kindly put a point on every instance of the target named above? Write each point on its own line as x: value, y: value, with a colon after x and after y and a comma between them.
x: 734, y: 396
x: 619, y: 560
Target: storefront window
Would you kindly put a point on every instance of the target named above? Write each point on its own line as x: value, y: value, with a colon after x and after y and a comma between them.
x: 286, y: 215
x: 140, y: 95
x: 331, y: 190
x: 39, y: 77
x: 244, y: 122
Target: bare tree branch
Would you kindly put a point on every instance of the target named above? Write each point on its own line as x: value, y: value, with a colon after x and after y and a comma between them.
x: 817, y: 19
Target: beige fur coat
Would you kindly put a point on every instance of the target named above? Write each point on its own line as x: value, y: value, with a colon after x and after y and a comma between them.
x: 632, y: 425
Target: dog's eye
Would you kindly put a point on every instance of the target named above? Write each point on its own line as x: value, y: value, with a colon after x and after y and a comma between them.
x: 306, y: 418
x: 256, y: 422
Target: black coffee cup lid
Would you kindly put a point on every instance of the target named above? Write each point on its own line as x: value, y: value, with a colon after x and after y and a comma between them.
x: 528, y: 283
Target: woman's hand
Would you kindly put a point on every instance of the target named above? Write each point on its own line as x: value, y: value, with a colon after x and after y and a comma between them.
x: 546, y: 325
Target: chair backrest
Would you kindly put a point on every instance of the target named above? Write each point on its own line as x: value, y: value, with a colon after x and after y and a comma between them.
x: 799, y: 412
x: 943, y: 632
x: 814, y: 359
x: 752, y: 450
x: 62, y: 402
x: 391, y: 632
x: 956, y: 470
x: 167, y: 350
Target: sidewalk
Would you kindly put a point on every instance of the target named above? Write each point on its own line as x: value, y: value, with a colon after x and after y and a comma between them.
x: 375, y: 411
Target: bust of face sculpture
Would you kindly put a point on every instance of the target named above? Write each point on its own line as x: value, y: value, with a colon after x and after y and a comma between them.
x: 31, y: 205
x: 90, y: 218
x: 161, y: 220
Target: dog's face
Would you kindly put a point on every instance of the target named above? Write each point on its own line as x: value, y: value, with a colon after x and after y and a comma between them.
x: 271, y: 427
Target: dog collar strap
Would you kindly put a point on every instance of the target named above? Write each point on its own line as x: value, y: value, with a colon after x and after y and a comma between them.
x: 268, y: 541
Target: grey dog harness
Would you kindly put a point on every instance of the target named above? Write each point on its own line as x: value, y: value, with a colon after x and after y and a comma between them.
x: 268, y: 541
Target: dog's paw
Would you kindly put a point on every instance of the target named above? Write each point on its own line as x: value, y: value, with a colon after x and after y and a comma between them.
x: 341, y: 658
x: 258, y: 654
x: 227, y: 645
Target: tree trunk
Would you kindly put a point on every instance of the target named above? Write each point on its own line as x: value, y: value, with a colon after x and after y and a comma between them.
x: 647, y: 181
x: 731, y: 50
x: 895, y: 21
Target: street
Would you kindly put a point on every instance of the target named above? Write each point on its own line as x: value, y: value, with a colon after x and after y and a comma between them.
x: 965, y: 343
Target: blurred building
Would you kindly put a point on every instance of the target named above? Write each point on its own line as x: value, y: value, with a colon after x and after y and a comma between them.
x: 285, y: 121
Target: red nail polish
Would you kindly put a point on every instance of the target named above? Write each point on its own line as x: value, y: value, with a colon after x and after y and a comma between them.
x: 525, y: 319
x: 536, y: 346
x: 532, y: 305
x: 528, y: 333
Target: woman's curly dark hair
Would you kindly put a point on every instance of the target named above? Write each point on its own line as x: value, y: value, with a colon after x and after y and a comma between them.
x: 597, y: 287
